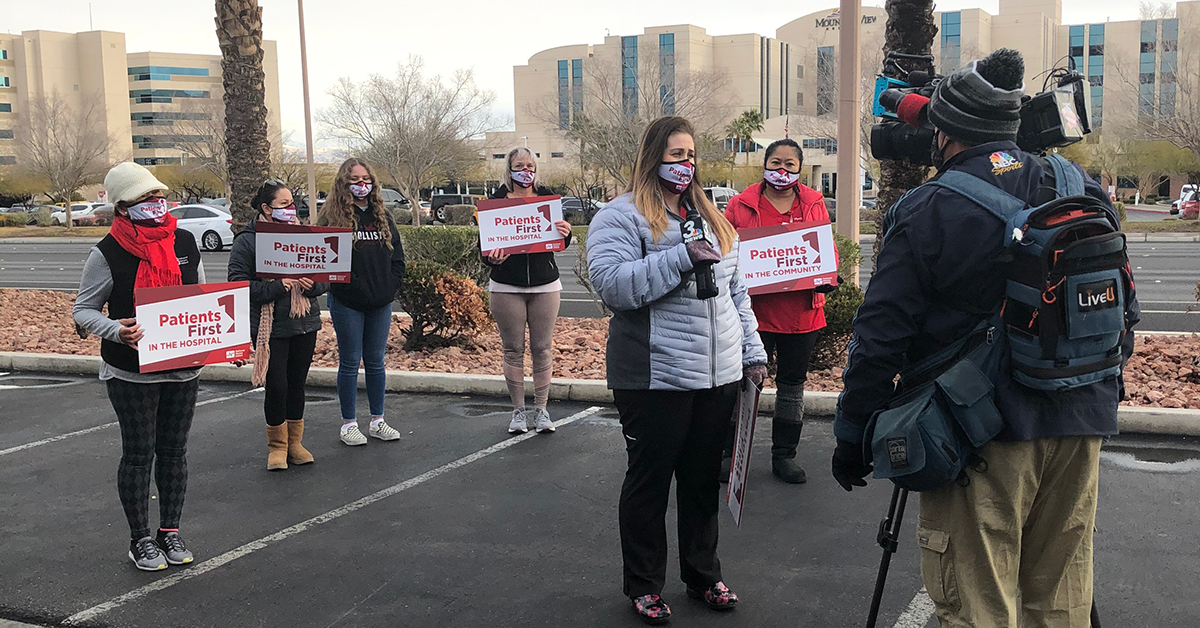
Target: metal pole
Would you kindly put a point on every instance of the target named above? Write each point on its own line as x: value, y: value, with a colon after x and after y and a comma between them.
x: 849, y: 191
x: 308, y: 135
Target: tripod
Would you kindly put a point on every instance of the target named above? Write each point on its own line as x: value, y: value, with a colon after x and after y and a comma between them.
x: 889, y: 539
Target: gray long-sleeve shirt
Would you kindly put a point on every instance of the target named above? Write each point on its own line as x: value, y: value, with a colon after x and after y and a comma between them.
x: 95, y: 286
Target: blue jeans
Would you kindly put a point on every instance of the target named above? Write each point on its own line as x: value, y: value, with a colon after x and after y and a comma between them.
x: 361, y: 337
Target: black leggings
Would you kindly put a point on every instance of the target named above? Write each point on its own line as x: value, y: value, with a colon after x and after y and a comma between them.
x: 155, y: 420
x: 794, y: 351
x: 286, y: 374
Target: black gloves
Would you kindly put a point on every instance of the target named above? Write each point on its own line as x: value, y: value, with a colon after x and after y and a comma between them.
x: 827, y: 288
x: 849, y: 466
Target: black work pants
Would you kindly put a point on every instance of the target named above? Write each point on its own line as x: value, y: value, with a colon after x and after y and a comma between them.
x: 672, y: 434
x: 286, y: 374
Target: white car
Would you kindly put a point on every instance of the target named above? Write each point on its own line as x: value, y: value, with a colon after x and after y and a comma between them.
x: 212, y: 226
x: 78, y: 210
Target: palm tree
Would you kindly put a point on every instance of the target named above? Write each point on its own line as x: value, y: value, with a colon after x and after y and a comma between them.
x: 743, y: 128
x: 910, y: 30
x: 239, y: 32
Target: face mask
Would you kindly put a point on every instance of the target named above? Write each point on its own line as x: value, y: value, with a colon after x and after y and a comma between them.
x: 360, y: 190
x: 936, y: 153
x: 153, y: 210
x: 523, y: 178
x: 676, y: 176
x: 781, y: 179
x: 284, y: 214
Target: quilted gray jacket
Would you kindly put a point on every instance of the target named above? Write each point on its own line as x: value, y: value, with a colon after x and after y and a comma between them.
x: 661, y: 336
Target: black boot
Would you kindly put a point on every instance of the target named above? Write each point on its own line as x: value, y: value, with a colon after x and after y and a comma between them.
x: 785, y: 433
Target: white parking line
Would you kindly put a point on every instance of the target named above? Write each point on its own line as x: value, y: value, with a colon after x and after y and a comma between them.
x: 286, y: 533
x: 55, y: 439
x: 919, y: 610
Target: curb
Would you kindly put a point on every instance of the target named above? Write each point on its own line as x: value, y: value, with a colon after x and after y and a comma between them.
x: 1131, y: 420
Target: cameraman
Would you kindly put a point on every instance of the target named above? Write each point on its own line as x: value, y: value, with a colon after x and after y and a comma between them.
x: 1024, y: 523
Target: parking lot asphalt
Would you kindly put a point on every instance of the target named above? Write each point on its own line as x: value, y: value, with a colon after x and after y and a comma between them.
x: 458, y: 524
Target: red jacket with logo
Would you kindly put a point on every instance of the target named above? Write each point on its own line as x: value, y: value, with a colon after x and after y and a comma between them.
x: 783, y: 312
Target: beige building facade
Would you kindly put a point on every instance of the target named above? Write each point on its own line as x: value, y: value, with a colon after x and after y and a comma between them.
x: 144, y: 100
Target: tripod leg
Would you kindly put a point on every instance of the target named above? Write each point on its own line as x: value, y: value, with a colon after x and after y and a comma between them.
x: 889, y: 539
x: 1095, y: 615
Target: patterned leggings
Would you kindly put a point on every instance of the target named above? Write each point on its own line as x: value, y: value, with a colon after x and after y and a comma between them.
x: 513, y: 313
x: 155, y: 420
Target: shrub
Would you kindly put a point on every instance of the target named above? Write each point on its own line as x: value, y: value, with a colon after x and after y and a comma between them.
x: 1120, y: 210
x: 104, y: 217
x: 460, y: 214
x: 456, y: 248
x: 445, y: 307
x: 577, y: 219
x: 840, y: 308
x: 13, y: 220
x: 402, y: 216
x: 42, y: 217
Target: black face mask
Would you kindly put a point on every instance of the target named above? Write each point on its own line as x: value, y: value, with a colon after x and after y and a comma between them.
x: 937, y: 153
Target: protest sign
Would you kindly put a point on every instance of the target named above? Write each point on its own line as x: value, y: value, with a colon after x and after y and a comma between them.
x: 284, y: 251
x: 520, y: 225
x: 190, y: 326
x: 747, y: 413
x: 783, y: 258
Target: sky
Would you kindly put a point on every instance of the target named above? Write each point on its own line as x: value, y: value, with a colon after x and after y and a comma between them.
x: 357, y: 39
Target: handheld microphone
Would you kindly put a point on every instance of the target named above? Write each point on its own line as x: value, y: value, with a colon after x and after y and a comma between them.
x: 694, y: 230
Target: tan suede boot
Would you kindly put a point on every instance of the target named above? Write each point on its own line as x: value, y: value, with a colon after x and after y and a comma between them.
x: 277, y: 447
x: 296, y: 453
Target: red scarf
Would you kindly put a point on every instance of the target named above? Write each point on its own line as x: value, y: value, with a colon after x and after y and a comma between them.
x: 155, y: 246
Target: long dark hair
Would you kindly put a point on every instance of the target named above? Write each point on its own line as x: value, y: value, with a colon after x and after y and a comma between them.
x: 647, y: 192
x: 266, y: 195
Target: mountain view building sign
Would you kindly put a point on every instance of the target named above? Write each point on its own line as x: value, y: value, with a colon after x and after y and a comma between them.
x: 834, y: 20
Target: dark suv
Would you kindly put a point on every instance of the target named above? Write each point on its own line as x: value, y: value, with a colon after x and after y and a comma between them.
x: 579, y: 211
x: 437, y: 204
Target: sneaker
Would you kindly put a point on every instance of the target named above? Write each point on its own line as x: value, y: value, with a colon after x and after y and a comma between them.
x: 383, y: 431
x: 146, y: 555
x: 172, y: 545
x: 543, y: 424
x: 651, y: 609
x: 518, y: 425
x: 718, y: 597
x: 351, y: 436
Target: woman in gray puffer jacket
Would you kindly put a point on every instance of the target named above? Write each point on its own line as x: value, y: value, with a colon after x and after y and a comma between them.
x: 283, y: 357
x: 674, y: 363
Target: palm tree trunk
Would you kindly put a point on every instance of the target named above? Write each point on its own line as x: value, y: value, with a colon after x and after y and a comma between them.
x: 239, y: 32
x: 910, y: 30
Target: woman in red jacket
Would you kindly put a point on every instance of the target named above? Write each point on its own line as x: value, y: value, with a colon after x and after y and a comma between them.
x: 788, y: 322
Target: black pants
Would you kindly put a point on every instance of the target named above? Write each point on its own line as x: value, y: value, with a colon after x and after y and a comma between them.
x: 792, y: 354
x: 155, y: 420
x: 669, y: 434
x: 286, y: 374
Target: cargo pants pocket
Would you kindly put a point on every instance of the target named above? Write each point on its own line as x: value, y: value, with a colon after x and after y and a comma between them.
x: 937, y: 567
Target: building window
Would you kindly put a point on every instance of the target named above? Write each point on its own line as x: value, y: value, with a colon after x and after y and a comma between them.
x: 8, y: 160
x: 158, y: 161
x: 164, y: 95
x: 3, y: 54
x: 666, y: 73
x: 163, y: 73
x: 576, y: 87
x: 564, y: 102
x: 166, y: 141
x: 826, y: 79
x: 4, y: 81
x: 951, y: 41
x: 799, y: 71
x: 824, y: 144
x: 6, y: 134
x: 629, y: 75
x: 5, y: 107
x: 498, y: 155
x: 1096, y: 40
x: 1076, y: 43
x: 1166, y: 100
x: 556, y: 155
x: 799, y: 99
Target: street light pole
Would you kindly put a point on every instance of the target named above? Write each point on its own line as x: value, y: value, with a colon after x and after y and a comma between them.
x: 849, y: 191
x: 308, y: 135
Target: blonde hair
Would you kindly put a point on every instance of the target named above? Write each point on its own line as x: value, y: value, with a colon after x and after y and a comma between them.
x: 647, y: 191
x: 339, y: 204
x: 519, y: 151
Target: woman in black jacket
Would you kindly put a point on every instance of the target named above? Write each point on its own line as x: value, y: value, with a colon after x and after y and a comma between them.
x: 285, y: 338
x: 525, y: 293
x: 361, y: 310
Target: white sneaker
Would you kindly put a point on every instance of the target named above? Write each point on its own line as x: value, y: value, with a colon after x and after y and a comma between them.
x: 518, y: 424
x: 352, y: 436
x: 383, y: 431
x: 543, y: 425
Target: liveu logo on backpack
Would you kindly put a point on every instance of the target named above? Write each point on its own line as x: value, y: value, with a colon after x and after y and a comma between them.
x: 1061, y: 324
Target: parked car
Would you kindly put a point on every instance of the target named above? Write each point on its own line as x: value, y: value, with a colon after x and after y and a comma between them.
x: 1174, y: 208
x: 212, y: 226
x: 870, y: 203
x: 1189, y: 206
x: 214, y: 202
x: 80, y: 213
x: 439, y: 201
x: 393, y: 199
x: 720, y: 196
x: 578, y: 210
